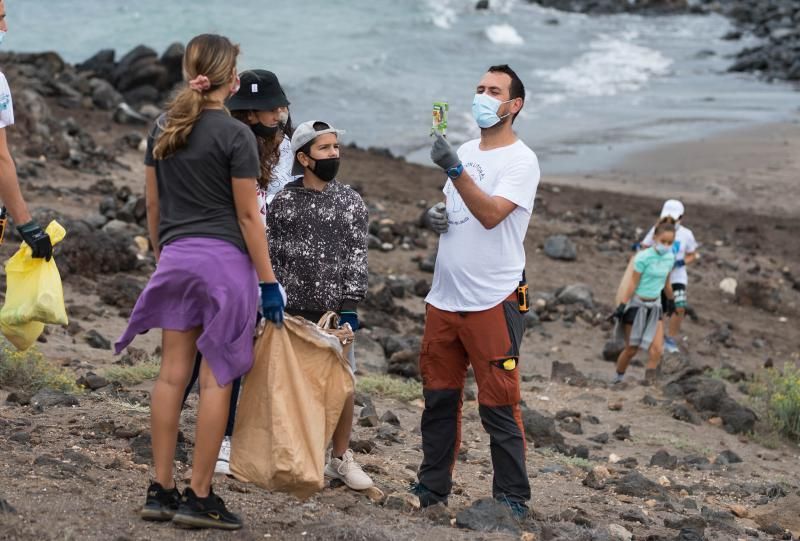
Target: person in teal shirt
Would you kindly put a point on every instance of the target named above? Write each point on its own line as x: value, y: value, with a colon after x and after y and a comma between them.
x: 639, y: 317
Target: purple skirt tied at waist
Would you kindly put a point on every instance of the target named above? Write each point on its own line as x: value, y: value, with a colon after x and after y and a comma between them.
x: 208, y: 283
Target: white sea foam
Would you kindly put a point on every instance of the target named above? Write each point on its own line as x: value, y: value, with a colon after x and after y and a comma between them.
x: 612, y: 65
x: 442, y: 13
x: 504, y: 34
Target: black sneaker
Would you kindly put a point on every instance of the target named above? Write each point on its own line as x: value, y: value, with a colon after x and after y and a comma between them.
x: 208, y: 512
x: 161, y: 505
x: 426, y: 496
x: 519, y: 510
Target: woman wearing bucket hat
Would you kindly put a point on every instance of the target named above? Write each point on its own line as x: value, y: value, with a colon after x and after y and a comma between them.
x: 261, y: 104
x: 318, y: 241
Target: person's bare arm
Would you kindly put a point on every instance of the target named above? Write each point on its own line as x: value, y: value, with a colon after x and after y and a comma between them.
x: 153, y: 212
x: 248, y: 214
x: 10, y: 193
x: 489, y: 210
x: 668, y: 288
x: 634, y: 283
x: 690, y: 258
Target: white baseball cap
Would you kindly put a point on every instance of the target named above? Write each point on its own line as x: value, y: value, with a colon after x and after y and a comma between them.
x: 305, y: 133
x: 672, y: 208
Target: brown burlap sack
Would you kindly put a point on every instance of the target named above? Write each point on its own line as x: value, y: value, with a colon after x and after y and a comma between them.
x: 290, y: 404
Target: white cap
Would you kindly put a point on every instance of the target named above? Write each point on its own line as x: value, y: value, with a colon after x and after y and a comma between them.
x: 303, y: 134
x: 672, y: 208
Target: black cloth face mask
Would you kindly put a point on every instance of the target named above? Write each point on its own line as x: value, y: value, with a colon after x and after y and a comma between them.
x: 264, y: 131
x: 326, y: 169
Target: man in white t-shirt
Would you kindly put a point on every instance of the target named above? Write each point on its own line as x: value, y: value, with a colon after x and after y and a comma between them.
x: 473, y: 314
x: 10, y: 194
x: 685, y: 249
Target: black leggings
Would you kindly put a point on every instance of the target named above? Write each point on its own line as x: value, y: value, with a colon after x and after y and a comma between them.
x: 237, y: 383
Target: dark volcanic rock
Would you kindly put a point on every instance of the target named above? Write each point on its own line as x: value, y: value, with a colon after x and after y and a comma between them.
x: 663, y: 459
x: 404, y: 363
x: 560, y: 247
x: 487, y: 515
x: 709, y: 396
x: 682, y: 413
x: 623, y: 432
x: 611, y: 350
x: 92, y: 381
x: 567, y: 373
x: 576, y: 294
x: 97, y: 340
x: 48, y: 398
x: 759, y: 293
x: 122, y: 291
x: 89, y: 253
x: 635, y: 484
x: 600, y: 438
x: 540, y: 429
x: 608, y: 7
x: 5, y: 507
x: 727, y: 457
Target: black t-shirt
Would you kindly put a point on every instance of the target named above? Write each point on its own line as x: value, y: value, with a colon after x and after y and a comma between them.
x: 195, y: 191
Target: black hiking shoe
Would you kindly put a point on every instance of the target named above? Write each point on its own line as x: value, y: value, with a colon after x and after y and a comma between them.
x: 426, y: 496
x: 161, y: 504
x: 518, y: 510
x: 208, y: 512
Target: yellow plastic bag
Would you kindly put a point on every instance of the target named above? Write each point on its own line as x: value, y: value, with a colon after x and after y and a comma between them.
x: 34, y: 295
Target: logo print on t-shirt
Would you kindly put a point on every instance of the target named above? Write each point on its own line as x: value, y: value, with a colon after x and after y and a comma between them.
x: 5, y: 99
x: 457, y: 211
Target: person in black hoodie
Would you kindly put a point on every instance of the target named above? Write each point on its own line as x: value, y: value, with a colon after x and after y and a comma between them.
x: 317, y: 231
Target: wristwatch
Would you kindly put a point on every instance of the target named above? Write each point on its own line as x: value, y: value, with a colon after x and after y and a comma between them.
x: 455, y: 172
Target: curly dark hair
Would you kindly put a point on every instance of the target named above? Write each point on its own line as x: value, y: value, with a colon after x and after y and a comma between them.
x: 269, y: 152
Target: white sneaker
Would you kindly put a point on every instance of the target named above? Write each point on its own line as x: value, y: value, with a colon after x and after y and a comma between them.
x: 224, y: 459
x: 346, y: 469
x: 670, y: 346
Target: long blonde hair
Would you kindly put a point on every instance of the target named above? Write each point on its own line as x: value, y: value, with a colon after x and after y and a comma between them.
x: 210, y: 59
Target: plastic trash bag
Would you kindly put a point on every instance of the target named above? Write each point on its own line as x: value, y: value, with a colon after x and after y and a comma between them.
x: 34, y: 295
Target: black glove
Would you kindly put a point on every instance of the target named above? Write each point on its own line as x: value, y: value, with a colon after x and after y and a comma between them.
x: 679, y: 263
x: 670, y: 306
x: 35, y: 237
x: 619, y: 312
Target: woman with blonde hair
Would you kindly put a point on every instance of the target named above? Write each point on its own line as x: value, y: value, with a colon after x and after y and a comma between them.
x: 208, y: 239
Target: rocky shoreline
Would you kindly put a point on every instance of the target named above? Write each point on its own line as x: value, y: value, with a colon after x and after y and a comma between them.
x: 776, y: 22
x: 681, y: 461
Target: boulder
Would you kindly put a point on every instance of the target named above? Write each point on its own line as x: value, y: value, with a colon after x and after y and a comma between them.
x: 404, y: 363
x: 560, y: 247
x: 101, y: 63
x: 104, y: 95
x: 664, y: 460
x: 612, y: 348
x: 369, y: 353
x: 635, y: 484
x: 759, y: 293
x: 172, y: 60
x: 567, y: 373
x: 124, y: 114
x: 576, y: 294
x: 88, y: 253
x: 487, y: 515
x: 541, y: 429
x: 48, y: 398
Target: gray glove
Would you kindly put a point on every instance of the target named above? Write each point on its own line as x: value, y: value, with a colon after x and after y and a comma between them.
x: 443, y: 154
x: 436, y: 218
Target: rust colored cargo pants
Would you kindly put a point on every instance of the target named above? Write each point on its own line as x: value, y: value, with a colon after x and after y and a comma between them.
x: 487, y: 340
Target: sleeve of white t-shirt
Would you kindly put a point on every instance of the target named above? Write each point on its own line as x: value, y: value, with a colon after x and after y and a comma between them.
x: 691, y: 243
x: 648, y: 239
x: 6, y: 106
x: 519, y: 182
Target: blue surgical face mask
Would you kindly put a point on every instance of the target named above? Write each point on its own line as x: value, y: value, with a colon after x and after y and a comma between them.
x: 2, y: 35
x: 484, y: 110
x: 662, y: 249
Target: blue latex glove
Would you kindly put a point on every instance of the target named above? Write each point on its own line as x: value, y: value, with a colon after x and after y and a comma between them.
x: 680, y: 263
x: 351, y: 318
x: 271, y: 302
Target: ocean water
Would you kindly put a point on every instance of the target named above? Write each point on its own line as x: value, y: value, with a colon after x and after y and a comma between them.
x: 597, y: 87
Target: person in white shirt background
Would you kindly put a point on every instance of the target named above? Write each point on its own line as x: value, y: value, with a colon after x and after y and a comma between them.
x: 10, y: 193
x: 473, y: 315
x: 685, y: 250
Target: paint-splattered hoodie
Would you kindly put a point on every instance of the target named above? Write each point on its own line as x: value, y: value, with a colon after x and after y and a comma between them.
x: 318, y: 246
